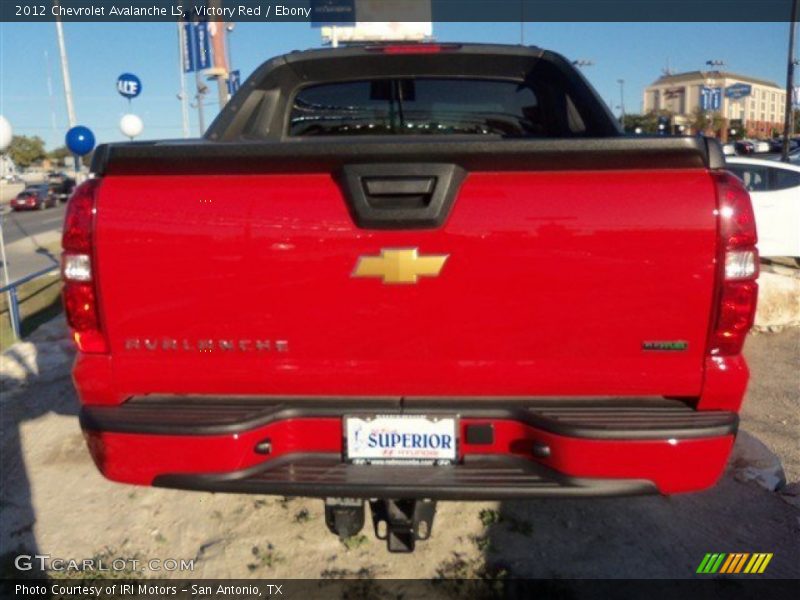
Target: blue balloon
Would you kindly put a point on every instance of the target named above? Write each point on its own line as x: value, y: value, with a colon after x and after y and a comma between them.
x: 80, y: 140
x: 129, y: 85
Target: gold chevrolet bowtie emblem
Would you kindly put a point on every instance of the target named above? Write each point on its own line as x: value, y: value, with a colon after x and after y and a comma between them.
x: 402, y: 265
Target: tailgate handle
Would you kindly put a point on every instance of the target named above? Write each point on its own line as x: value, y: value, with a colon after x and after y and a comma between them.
x: 400, y: 186
x: 399, y: 192
x: 401, y: 195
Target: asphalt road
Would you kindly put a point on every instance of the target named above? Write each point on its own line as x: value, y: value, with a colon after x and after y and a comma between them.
x: 27, y: 233
x: 32, y: 223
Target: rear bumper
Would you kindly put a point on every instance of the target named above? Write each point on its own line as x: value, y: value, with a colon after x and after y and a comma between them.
x: 536, y: 448
x: 475, y: 478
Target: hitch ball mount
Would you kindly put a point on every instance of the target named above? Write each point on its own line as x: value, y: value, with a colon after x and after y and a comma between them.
x: 401, y: 522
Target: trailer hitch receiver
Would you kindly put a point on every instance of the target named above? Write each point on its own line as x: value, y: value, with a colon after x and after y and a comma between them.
x: 402, y: 522
x: 344, y: 516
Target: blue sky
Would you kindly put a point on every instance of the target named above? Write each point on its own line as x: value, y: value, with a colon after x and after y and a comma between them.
x: 99, y: 52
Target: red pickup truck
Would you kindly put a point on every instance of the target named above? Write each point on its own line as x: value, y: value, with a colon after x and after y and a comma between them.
x: 398, y: 274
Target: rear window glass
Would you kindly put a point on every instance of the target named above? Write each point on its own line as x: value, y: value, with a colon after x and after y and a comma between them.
x: 785, y: 179
x: 754, y: 178
x: 414, y: 106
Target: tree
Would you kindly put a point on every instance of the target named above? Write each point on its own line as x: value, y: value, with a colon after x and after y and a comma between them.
x: 703, y: 121
x: 647, y: 122
x: 25, y: 151
x: 59, y: 154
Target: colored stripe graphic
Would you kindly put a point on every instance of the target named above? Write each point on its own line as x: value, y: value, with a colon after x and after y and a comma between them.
x: 724, y: 563
x: 727, y: 564
x: 734, y: 563
x: 741, y: 562
x: 711, y: 563
x: 758, y: 563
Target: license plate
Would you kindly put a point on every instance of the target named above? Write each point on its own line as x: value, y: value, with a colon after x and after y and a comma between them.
x: 401, y: 439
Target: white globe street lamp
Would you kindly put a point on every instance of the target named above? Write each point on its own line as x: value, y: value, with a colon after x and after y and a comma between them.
x: 6, y: 133
x: 131, y: 125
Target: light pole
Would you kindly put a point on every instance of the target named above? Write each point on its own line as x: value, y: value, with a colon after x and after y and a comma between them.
x: 62, y: 49
x: 221, y: 68
x: 621, y: 83
x: 202, y: 89
x: 229, y: 28
x: 6, y: 135
x: 715, y: 66
x: 787, y: 118
x: 182, y: 95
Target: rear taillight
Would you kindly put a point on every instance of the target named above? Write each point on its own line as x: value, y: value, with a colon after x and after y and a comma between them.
x: 77, y: 269
x: 738, y: 271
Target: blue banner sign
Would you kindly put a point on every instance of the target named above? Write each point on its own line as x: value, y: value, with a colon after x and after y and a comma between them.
x: 188, y: 48
x: 196, y: 47
x: 710, y: 98
x: 234, y: 82
x: 202, y: 47
x: 325, y: 13
x: 738, y: 90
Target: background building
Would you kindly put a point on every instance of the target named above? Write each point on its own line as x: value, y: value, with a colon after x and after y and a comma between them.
x: 7, y: 167
x: 754, y: 105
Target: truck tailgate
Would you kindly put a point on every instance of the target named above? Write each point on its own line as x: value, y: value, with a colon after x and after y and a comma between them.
x: 559, y: 282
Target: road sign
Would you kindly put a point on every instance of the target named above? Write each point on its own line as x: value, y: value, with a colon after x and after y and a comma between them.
x: 129, y: 85
x: 234, y: 81
x: 196, y: 47
x: 333, y: 12
x: 710, y: 98
x: 738, y: 90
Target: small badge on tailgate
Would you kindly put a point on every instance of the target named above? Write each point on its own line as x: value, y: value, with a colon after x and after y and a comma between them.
x: 400, y: 265
x: 666, y: 346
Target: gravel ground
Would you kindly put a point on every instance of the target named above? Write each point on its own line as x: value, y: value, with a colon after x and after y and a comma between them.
x: 771, y: 410
x: 52, y: 500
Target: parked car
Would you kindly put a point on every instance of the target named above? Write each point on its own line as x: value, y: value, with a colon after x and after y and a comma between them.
x: 61, y: 185
x: 729, y: 149
x: 776, y: 145
x: 744, y: 147
x: 34, y: 197
x: 775, y: 190
x: 452, y: 277
x: 760, y: 146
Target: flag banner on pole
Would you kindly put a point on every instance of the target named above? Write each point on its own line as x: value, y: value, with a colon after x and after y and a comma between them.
x: 187, y: 48
x: 234, y: 81
x: 202, y: 47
